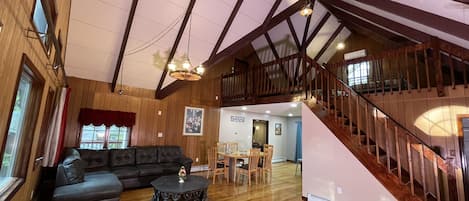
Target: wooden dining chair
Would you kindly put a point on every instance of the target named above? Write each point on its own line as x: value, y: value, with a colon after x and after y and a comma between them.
x: 266, y: 167
x: 221, y: 147
x: 215, y: 167
x: 251, y: 167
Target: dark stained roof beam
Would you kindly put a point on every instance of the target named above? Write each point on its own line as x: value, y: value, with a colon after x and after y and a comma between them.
x: 130, y: 20
x: 226, y: 28
x: 329, y: 42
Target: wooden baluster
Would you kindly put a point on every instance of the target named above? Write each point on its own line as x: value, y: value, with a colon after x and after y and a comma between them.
x: 370, y: 76
x: 410, y: 163
x: 451, y: 69
x: 310, y: 79
x: 388, y: 148
x: 417, y: 70
x: 367, y: 125
x: 375, y: 75
x: 322, y: 87
x: 358, y: 119
x: 427, y: 71
x: 350, y: 110
x: 381, y: 61
x: 316, y: 77
x: 391, y: 72
x: 376, y: 135
x: 464, y: 72
x: 435, y: 175
x: 399, y: 74
x: 398, y: 153
x: 342, y: 98
x: 407, y: 67
x: 422, y: 172
x: 335, y: 100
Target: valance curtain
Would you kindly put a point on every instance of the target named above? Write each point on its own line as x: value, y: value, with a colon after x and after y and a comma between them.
x: 106, y: 117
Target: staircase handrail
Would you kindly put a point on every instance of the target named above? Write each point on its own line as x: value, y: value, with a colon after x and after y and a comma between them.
x: 377, y: 108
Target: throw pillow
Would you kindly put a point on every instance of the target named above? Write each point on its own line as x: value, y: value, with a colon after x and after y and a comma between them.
x: 74, y: 171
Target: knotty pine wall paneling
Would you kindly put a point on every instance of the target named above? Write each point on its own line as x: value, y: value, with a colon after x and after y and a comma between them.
x: 16, y: 19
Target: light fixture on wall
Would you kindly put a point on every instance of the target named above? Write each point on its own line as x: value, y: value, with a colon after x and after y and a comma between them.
x: 307, y: 10
x: 184, y: 71
x: 340, y: 46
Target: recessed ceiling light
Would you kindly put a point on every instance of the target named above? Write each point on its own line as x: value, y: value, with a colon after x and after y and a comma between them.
x: 267, y: 111
x: 290, y: 114
x: 293, y: 105
x: 340, y: 46
x: 244, y: 108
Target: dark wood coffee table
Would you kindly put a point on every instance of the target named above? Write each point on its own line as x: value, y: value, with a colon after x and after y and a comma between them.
x: 168, y: 188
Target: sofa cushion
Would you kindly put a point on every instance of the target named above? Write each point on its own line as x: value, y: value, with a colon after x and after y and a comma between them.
x: 122, y: 157
x: 96, y: 187
x: 125, y: 172
x: 73, y: 169
x: 169, y: 154
x: 94, y: 159
x: 170, y: 168
x: 150, y: 170
x: 146, y: 155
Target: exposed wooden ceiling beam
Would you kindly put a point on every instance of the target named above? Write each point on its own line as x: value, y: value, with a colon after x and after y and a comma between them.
x: 379, y: 20
x: 316, y: 30
x: 175, y: 45
x: 272, y: 12
x: 449, y: 26
x: 130, y: 20
x: 305, y: 33
x: 226, y: 28
x: 293, y: 33
x: 329, y: 42
x: 236, y: 46
x: 276, y: 55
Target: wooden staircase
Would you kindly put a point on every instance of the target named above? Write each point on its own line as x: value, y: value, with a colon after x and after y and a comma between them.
x: 408, y: 167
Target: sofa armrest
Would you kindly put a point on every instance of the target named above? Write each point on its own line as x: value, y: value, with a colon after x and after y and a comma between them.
x: 186, y: 162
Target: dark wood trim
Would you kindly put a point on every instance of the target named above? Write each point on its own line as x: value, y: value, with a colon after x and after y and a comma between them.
x: 236, y: 46
x: 130, y: 20
x: 316, y: 30
x: 293, y: 33
x: 54, y: 39
x: 226, y: 28
x: 175, y: 45
x: 272, y: 12
x: 305, y: 33
x: 379, y: 20
x: 352, y: 21
x: 271, y: 45
x: 449, y: 26
x: 33, y: 107
x: 329, y: 42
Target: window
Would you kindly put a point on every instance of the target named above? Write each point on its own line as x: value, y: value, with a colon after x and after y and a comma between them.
x: 102, y: 137
x: 358, y: 73
x: 16, y: 149
x: 39, y: 19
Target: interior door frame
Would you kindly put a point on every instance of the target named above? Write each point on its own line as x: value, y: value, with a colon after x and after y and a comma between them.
x: 266, y: 129
x: 463, y: 157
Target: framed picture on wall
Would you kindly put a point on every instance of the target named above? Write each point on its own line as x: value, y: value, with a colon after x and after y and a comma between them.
x: 278, y: 129
x: 193, y: 121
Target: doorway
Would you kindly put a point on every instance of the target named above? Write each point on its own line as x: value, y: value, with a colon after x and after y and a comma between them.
x: 260, y: 133
x: 464, y: 150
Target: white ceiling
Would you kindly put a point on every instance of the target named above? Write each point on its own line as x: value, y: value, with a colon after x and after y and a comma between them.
x: 276, y: 109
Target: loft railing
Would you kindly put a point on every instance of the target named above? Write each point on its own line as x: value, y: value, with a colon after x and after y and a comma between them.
x: 433, y: 64
x: 283, y: 77
x: 404, y: 154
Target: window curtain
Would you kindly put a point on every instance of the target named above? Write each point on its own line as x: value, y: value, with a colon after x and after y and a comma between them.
x: 108, y: 118
x: 298, y: 154
x: 55, y: 135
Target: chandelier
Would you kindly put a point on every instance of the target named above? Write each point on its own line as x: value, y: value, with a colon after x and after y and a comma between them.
x: 307, y: 9
x: 186, y: 71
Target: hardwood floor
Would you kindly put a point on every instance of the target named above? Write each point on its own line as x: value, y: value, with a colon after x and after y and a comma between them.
x: 284, y: 186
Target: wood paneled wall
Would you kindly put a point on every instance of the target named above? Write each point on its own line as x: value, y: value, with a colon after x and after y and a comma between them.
x: 203, y: 94
x: 16, y: 19
x: 431, y: 118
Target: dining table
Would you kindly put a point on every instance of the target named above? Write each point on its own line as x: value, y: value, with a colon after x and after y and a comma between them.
x: 232, y: 158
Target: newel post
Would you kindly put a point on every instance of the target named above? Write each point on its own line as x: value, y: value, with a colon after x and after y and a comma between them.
x: 436, y: 58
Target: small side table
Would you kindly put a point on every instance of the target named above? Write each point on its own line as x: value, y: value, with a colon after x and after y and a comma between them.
x: 168, y: 188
